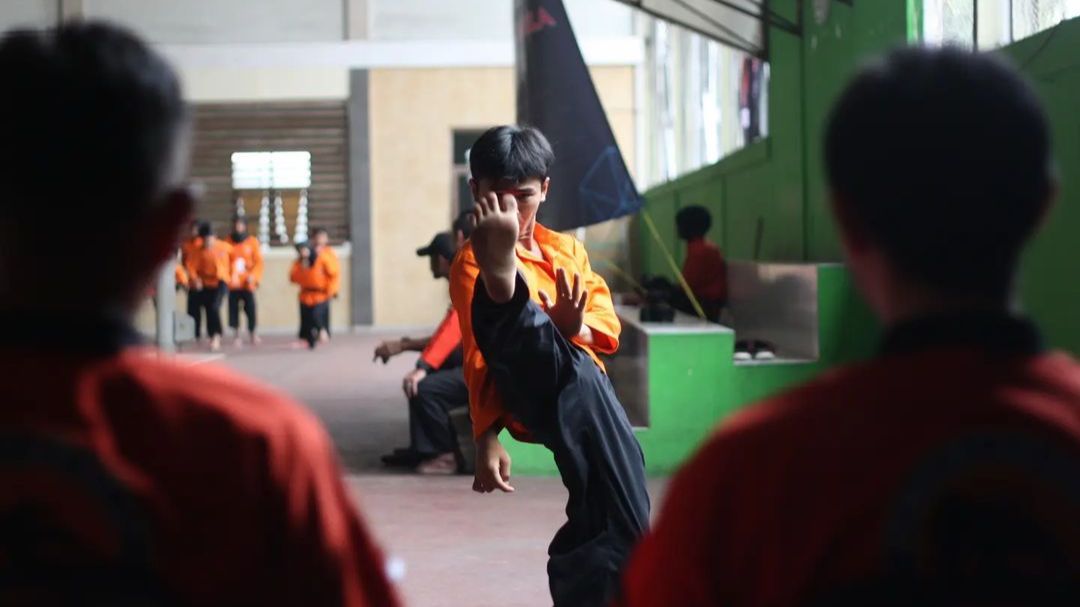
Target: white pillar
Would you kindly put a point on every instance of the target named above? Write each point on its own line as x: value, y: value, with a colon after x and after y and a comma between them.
x: 165, y: 297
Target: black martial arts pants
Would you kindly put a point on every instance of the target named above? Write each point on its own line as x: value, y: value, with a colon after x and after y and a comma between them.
x: 209, y: 299
x: 567, y: 403
x: 194, y: 311
x: 430, y: 429
x: 247, y: 298
x: 314, y: 319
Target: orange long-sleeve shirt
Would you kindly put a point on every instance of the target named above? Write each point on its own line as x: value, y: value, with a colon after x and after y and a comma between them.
x: 320, y: 281
x: 247, y: 264
x: 444, y: 341
x: 210, y: 264
x: 188, y: 247
x: 557, y: 251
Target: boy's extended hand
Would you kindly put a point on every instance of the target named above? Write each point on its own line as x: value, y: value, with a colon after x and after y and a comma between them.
x: 568, y: 310
x: 492, y: 464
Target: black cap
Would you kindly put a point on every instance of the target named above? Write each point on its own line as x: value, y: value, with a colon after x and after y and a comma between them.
x: 442, y: 245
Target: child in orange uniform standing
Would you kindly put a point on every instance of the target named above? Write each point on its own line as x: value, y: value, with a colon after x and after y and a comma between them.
x: 318, y: 274
x: 247, y: 271
x: 187, y: 249
x: 209, y: 272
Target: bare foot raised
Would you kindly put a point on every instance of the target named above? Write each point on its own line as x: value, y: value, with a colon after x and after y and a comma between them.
x: 493, y: 242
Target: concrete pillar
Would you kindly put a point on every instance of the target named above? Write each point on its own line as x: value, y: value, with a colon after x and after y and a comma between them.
x: 165, y: 298
x: 358, y: 19
x: 360, y: 198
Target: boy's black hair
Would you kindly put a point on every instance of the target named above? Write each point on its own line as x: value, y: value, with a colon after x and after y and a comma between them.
x: 511, y: 152
x: 90, y: 125
x: 205, y: 229
x: 318, y: 231
x: 693, y: 222
x: 942, y: 157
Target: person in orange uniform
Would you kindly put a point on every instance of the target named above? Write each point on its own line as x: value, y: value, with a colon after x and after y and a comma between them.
x: 945, y: 471
x: 126, y: 477
x: 437, y: 385
x: 534, y: 320
x: 318, y: 274
x: 187, y: 248
x: 247, y: 271
x: 704, y: 268
x: 210, y: 269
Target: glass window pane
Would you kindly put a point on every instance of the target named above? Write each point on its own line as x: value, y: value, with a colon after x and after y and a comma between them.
x: 1033, y: 16
x: 949, y: 22
x: 994, y: 24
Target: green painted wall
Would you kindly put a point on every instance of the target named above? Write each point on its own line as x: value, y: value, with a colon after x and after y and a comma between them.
x: 694, y: 382
x: 1050, y: 278
x: 779, y: 181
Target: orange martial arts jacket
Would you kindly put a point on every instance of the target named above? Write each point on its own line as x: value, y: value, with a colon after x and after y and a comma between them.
x: 320, y: 281
x: 210, y: 264
x: 557, y: 251
x: 247, y: 264
x: 188, y: 247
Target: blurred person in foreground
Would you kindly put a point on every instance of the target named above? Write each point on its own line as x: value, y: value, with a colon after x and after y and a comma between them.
x: 128, y: 478
x: 945, y: 471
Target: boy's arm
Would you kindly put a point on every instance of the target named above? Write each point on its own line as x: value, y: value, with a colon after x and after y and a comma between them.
x: 463, y: 275
x: 600, y: 315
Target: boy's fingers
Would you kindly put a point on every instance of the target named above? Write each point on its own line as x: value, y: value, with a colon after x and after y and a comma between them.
x: 562, y: 288
x: 503, y: 485
x: 584, y: 298
x: 577, y: 287
x: 504, y: 469
x: 544, y: 299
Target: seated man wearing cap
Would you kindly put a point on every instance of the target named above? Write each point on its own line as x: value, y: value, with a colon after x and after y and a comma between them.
x: 437, y: 385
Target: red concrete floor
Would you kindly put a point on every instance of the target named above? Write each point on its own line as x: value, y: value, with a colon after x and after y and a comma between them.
x: 459, y: 548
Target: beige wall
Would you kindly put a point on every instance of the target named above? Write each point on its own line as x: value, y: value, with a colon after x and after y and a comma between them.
x: 413, y: 114
x: 249, y: 84
x: 278, y: 310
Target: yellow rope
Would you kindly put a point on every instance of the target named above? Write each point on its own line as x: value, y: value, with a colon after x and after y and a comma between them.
x: 625, y: 276
x: 671, y: 262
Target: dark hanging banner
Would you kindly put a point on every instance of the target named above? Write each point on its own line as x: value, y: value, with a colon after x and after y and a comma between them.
x: 589, y: 182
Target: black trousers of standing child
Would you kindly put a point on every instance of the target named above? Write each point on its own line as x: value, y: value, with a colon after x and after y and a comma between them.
x: 312, y: 320
x: 194, y: 310
x: 210, y: 305
x: 247, y: 299
x: 567, y: 403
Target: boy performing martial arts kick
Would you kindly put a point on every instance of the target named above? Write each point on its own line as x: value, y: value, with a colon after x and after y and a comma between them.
x: 534, y: 316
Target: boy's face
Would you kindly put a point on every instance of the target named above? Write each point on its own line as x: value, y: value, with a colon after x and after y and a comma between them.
x: 321, y: 239
x: 530, y: 193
